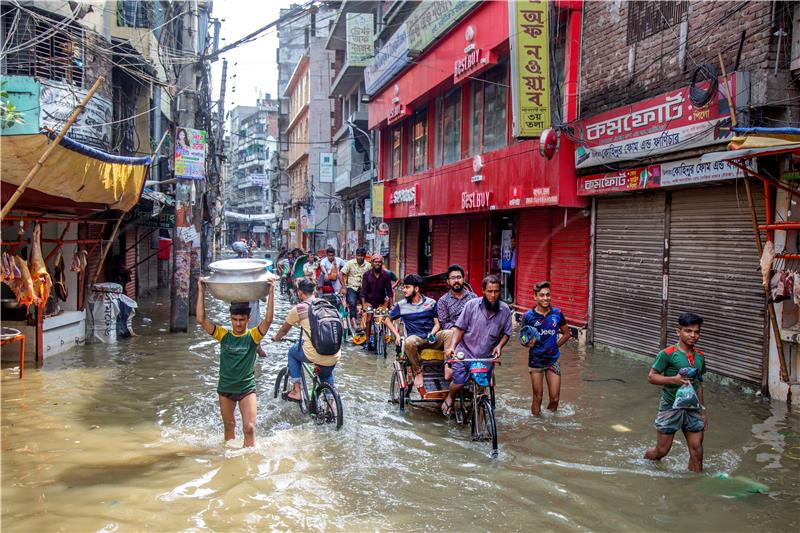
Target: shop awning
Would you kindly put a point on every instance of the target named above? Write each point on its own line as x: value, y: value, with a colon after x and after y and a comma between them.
x: 762, y: 144
x: 75, y: 178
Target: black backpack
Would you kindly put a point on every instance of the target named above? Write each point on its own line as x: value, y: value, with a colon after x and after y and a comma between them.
x: 327, y: 329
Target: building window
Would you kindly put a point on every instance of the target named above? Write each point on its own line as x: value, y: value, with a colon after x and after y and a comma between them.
x: 448, y: 127
x: 418, y: 147
x: 393, y: 169
x: 488, y: 127
x: 133, y: 13
x: 56, y: 55
x: 646, y: 18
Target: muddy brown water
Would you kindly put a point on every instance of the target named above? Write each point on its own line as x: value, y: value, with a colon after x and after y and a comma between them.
x: 128, y: 438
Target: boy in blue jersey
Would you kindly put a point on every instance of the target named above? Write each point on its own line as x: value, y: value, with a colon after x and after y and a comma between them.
x: 678, y: 365
x: 543, y: 352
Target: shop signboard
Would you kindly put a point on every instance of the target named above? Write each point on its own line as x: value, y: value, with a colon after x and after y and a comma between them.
x: 388, y: 61
x: 292, y: 225
x: 23, y: 93
x: 432, y: 19
x: 663, y: 124
x: 377, y: 200
x: 143, y: 216
x: 326, y: 167
x: 685, y: 172
x: 360, y: 48
x: 259, y: 229
x: 57, y: 101
x: 530, y: 67
x: 190, y: 153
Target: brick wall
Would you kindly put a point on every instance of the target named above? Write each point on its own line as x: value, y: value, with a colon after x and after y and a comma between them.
x: 615, y: 74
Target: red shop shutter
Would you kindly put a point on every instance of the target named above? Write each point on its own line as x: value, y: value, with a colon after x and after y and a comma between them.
x: 459, y: 243
x: 532, y: 253
x: 440, y: 247
x: 130, y: 260
x: 394, y: 238
x: 569, y: 264
x: 411, y: 245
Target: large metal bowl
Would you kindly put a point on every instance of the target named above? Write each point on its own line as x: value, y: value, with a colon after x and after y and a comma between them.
x: 239, y: 280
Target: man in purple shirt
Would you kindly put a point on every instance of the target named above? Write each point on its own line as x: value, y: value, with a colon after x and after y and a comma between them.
x: 481, y: 332
x: 450, y: 305
x: 376, y: 288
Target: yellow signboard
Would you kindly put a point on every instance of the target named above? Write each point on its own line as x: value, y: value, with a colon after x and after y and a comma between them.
x: 530, y: 66
x: 377, y: 200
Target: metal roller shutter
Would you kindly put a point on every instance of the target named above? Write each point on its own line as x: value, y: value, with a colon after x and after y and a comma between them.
x: 394, y: 239
x: 441, y: 244
x: 569, y: 264
x: 533, y: 253
x: 629, y: 253
x: 130, y: 260
x: 459, y: 241
x: 714, y: 272
x: 411, y: 244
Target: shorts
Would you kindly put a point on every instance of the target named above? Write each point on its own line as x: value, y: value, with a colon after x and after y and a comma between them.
x: 539, y: 364
x: 352, y: 303
x: 461, y: 372
x: 236, y: 396
x: 669, y: 420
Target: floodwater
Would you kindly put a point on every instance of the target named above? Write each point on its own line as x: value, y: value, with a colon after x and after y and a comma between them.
x: 128, y: 438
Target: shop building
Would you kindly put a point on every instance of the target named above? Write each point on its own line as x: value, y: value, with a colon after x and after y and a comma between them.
x: 673, y: 232
x: 458, y: 184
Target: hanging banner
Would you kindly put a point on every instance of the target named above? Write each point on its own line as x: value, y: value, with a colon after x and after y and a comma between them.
x: 308, y: 222
x: 190, y: 154
x: 360, y: 48
x: 530, y: 67
x: 377, y: 200
x: 57, y: 101
x: 382, y: 244
x: 431, y: 19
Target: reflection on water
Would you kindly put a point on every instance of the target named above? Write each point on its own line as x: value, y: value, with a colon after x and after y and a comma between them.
x: 128, y: 437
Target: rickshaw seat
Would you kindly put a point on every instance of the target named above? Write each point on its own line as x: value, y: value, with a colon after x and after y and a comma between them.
x: 429, y: 354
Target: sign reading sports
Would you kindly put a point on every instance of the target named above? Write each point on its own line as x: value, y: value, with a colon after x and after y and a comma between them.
x: 530, y: 66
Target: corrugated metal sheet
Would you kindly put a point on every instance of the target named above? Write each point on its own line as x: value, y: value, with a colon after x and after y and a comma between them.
x: 629, y: 252
x: 714, y: 272
x: 131, y: 254
x: 459, y: 241
x: 411, y: 245
x: 441, y: 244
x: 533, y: 253
x: 569, y: 263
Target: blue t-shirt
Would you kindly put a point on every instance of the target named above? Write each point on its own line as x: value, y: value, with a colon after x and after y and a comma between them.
x: 418, y: 318
x: 547, y: 327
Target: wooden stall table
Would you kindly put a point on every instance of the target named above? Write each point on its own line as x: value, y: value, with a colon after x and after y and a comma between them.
x: 9, y: 335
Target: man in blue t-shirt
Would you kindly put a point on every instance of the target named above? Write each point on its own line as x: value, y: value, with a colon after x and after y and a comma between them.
x: 551, y: 333
x: 418, y: 314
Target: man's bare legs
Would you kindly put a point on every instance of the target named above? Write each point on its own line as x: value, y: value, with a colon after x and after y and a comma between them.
x: 537, y: 384
x: 247, y: 406
x: 226, y: 409
x: 662, y: 447
x: 694, y: 441
x: 553, y: 389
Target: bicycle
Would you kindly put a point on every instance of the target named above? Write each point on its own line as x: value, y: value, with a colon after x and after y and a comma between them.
x: 324, y: 404
x: 378, y: 334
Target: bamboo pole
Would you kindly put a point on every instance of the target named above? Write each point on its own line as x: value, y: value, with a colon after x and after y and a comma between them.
x: 107, y: 247
x: 38, y: 166
x: 773, y: 319
x: 727, y: 90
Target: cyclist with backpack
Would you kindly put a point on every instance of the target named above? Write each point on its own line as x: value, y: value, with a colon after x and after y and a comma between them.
x: 321, y: 332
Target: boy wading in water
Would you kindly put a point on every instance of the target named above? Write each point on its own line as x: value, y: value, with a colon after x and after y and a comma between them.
x: 666, y: 371
x: 237, y: 362
x: 544, y: 353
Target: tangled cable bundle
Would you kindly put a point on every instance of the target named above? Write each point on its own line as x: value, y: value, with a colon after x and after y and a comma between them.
x: 702, y: 73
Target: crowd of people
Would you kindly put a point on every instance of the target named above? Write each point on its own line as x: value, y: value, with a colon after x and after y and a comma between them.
x: 461, y: 324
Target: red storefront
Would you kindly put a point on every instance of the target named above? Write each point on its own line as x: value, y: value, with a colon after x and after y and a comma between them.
x: 463, y: 185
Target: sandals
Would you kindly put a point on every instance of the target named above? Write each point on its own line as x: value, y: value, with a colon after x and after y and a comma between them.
x: 285, y: 396
x: 447, y: 409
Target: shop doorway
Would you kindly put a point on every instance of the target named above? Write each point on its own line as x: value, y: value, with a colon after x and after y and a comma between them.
x: 502, y: 260
x: 477, y: 254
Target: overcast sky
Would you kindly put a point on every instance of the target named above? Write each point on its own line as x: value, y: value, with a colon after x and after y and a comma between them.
x: 252, y: 69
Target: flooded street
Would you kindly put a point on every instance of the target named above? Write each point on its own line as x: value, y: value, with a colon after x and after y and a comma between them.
x: 128, y: 438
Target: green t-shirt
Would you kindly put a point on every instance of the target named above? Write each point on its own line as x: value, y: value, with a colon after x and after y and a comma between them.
x: 670, y: 361
x: 237, y: 360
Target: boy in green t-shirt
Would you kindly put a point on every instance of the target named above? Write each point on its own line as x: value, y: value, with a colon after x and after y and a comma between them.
x: 666, y: 372
x: 237, y: 362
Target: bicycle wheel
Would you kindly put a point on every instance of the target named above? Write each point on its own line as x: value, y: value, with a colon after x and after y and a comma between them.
x: 328, y: 405
x: 305, y: 404
x: 380, y: 341
x: 282, y: 382
x: 397, y: 394
x: 484, y: 427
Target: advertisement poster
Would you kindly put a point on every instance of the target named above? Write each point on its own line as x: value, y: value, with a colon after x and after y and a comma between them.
x: 307, y: 222
x: 383, y: 239
x: 190, y: 153
x: 326, y: 167
x: 505, y: 251
x: 530, y: 67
